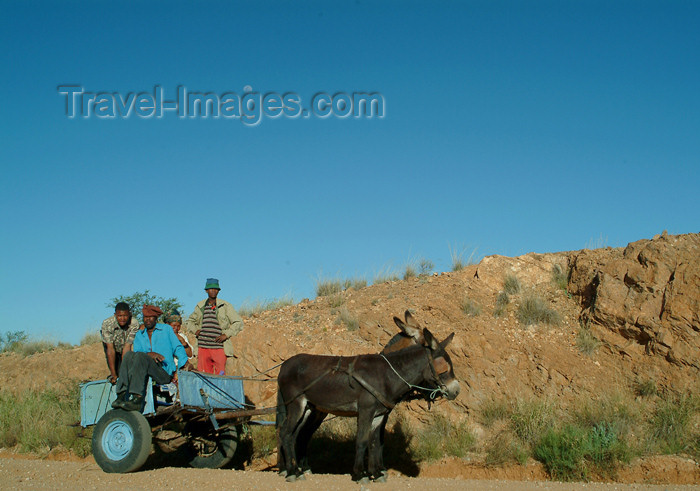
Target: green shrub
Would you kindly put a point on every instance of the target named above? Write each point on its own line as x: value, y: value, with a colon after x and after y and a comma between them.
x: 645, y: 388
x: 38, y: 422
x: 492, y: 411
x: 534, y: 310
x: 459, y: 262
x: 249, y: 308
x: 440, y: 437
x: 354, y: 283
x: 409, y: 272
x: 511, y: 284
x: 530, y: 418
x: 670, y: 424
x: 562, y: 452
x: 328, y: 286
x: 570, y: 454
x: 470, y: 307
x: 505, y: 448
x: 336, y: 300
x: 560, y: 277
x: 264, y: 440
x: 502, y: 301
x: 350, y: 321
x: 425, y: 267
x: 586, y: 342
x: 385, y: 276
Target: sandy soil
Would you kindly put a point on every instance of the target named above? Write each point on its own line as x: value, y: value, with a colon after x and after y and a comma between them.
x: 27, y: 473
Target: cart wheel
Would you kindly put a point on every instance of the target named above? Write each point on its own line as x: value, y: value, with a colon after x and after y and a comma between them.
x: 213, y: 454
x: 121, y: 441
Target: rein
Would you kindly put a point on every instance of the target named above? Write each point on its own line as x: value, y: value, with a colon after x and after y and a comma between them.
x: 441, y: 389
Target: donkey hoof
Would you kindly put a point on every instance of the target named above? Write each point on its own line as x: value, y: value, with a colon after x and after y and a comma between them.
x: 381, y: 477
x: 307, y: 472
x: 301, y: 477
x: 283, y: 473
x: 291, y: 478
x: 364, y: 481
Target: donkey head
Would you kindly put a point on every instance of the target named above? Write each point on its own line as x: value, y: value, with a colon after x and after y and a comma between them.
x: 440, y: 372
x: 410, y: 334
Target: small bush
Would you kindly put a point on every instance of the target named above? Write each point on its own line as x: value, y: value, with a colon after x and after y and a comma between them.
x: 670, y: 424
x: 505, y: 448
x: 256, y: 307
x: 531, y: 418
x: 91, y: 338
x: 350, y: 321
x: 425, y: 267
x: 264, y: 440
x: 562, y: 453
x: 440, y: 437
x: 336, y: 300
x: 586, y: 342
x: 385, y: 277
x: 492, y: 411
x: 511, y: 284
x: 354, y: 283
x: 534, y: 310
x: 502, y: 301
x: 470, y: 307
x: 328, y: 286
x: 459, y: 262
x: 560, y: 277
x: 645, y: 388
x: 409, y: 272
x: 571, y: 453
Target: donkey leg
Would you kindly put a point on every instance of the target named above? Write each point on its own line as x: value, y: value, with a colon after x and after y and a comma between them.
x: 306, y: 432
x: 279, y: 422
x: 376, y: 449
x: 288, y: 436
x: 364, y: 424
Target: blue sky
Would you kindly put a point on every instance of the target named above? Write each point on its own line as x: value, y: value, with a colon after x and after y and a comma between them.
x: 509, y: 127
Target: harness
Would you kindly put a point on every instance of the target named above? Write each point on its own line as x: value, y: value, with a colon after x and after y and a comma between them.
x: 352, y: 375
x: 440, y: 389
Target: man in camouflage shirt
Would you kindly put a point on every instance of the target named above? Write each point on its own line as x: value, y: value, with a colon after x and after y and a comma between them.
x: 118, y: 333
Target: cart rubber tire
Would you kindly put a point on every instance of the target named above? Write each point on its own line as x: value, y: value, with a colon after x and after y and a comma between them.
x: 121, y: 441
x: 226, y: 445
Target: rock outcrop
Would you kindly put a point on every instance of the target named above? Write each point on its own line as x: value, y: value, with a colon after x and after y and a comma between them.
x: 649, y: 293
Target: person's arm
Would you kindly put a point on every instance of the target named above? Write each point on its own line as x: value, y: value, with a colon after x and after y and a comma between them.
x: 178, y: 350
x: 185, y: 344
x: 194, y: 322
x: 112, y: 363
x: 235, y: 323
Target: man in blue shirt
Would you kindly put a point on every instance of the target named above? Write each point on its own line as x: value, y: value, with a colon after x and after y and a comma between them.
x: 153, y: 355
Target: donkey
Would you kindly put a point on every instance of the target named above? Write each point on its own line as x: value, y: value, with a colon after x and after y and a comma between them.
x: 410, y: 334
x: 365, y: 386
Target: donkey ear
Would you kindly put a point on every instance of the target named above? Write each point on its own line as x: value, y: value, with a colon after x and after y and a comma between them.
x: 430, y: 340
x: 447, y: 340
x: 410, y: 320
x: 410, y: 331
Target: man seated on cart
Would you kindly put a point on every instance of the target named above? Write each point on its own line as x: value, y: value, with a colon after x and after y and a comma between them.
x: 118, y: 333
x: 153, y: 355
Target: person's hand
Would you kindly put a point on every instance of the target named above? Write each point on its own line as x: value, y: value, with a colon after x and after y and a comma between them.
x: 112, y: 379
x: 221, y: 338
x: 188, y: 367
x: 174, y: 379
x: 157, y: 357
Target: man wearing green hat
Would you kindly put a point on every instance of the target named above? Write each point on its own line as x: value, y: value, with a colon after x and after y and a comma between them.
x: 214, y: 322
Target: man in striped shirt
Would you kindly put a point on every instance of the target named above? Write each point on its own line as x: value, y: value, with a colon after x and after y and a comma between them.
x: 214, y: 322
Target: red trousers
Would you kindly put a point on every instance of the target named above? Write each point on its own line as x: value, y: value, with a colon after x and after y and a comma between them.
x: 211, y: 361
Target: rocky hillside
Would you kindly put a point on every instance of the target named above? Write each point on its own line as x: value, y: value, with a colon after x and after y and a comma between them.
x: 641, y: 302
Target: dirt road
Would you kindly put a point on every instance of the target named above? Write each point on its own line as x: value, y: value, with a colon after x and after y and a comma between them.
x: 24, y: 473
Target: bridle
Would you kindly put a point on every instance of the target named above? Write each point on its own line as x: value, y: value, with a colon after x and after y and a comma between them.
x: 433, y: 393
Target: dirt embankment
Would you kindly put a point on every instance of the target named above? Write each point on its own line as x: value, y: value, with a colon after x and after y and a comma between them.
x: 642, y: 302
